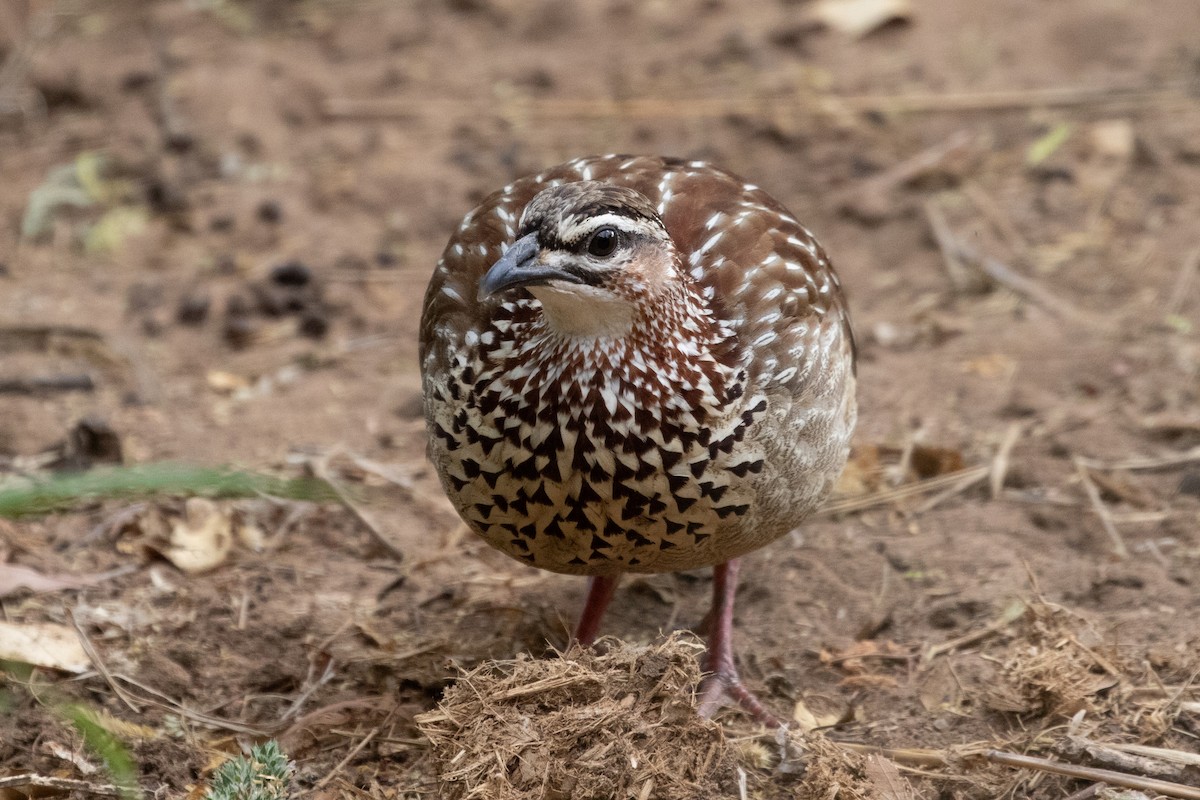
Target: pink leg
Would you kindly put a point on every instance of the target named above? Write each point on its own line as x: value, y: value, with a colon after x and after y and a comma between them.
x: 600, y: 594
x: 722, y: 681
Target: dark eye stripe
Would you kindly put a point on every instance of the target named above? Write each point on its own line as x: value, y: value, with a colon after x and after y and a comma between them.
x: 587, y: 276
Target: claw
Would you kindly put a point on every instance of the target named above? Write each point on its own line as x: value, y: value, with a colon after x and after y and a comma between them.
x: 722, y: 683
x: 719, y: 688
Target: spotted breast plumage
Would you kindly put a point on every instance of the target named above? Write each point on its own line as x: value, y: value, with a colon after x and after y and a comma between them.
x: 637, y: 364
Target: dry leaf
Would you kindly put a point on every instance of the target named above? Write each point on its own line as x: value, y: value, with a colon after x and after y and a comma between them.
x: 43, y: 644
x: 852, y: 659
x: 61, y: 751
x: 939, y: 690
x: 202, y: 539
x: 868, y: 680
x: 995, y: 365
x: 252, y: 537
x: 14, y: 577
x: 1114, y: 139
x: 226, y: 383
x: 807, y: 719
x: 860, y: 17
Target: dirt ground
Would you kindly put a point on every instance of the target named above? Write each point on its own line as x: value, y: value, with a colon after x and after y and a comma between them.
x: 218, y: 217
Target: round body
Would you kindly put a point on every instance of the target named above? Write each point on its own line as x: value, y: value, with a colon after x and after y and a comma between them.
x: 635, y: 364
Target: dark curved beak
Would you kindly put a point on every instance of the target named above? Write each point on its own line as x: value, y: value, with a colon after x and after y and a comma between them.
x: 519, y: 267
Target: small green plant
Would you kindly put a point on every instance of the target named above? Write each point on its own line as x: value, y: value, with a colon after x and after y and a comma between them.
x: 266, y: 775
x: 112, y: 751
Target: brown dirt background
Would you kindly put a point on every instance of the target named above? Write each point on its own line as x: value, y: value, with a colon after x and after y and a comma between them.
x: 351, y: 137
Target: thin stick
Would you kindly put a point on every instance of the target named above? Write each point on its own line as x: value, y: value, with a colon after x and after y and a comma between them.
x: 951, y: 479
x: 1006, y: 100
x: 1144, y: 462
x: 999, y: 467
x: 322, y: 471
x: 46, y: 384
x: 956, y: 271
x: 388, y: 472
x: 710, y: 107
x: 1000, y: 220
x: 916, y: 756
x: 1183, y: 283
x: 1001, y: 273
x: 969, y: 480
x: 1089, y: 486
x: 310, y: 685
x: 355, y: 751
x: 872, y: 198
x: 1086, y: 793
x: 169, y: 704
x: 98, y: 663
x: 1004, y: 275
x: 349, y: 756
x: 1100, y: 755
x: 1161, y: 753
x: 1110, y: 777
x: 62, y: 784
x: 1010, y: 615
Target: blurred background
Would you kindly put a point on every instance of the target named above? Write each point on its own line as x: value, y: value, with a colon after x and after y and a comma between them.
x: 217, y: 219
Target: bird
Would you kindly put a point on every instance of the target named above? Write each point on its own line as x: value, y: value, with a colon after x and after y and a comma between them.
x: 637, y: 364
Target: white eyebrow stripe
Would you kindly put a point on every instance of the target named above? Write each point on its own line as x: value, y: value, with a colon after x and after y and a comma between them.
x: 575, y: 230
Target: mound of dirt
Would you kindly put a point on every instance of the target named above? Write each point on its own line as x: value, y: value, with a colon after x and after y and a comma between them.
x: 619, y: 721
x: 616, y: 723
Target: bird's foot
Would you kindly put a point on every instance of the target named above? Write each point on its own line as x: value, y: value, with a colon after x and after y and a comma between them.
x: 723, y: 687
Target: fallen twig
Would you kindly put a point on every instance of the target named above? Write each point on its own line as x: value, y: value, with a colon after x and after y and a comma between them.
x: 972, y: 477
x: 957, y: 251
x: 999, y: 467
x: 1110, y: 528
x: 98, y: 663
x: 952, y: 260
x: 388, y: 472
x: 1143, y: 462
x: 1123, y: 759
x: 61, y: 784
x: 949, y: 481
x: 1183, y: 283
x: 1010, y: 615
x: 917, y: 756
x: 999, y: 219
x: 353, y: 752
x: 1086, y: 793
x: 1110, y: 777
x: 46, y: 384
x: 44, y: 338
x: 341, y: 108
x: 321, y: 470
x: 872, y: 198
x: 156, y: 698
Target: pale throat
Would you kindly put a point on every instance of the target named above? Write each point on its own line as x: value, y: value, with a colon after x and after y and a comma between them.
x: 580, y: 311
x: 585, y: 311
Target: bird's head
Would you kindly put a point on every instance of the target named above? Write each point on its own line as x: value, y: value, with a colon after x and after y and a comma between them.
x: 592, y: 253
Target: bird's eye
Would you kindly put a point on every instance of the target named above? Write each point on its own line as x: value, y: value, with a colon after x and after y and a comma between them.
x: 603, y: 242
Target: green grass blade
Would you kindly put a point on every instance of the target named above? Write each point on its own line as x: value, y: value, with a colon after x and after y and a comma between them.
x: 68, y: 491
